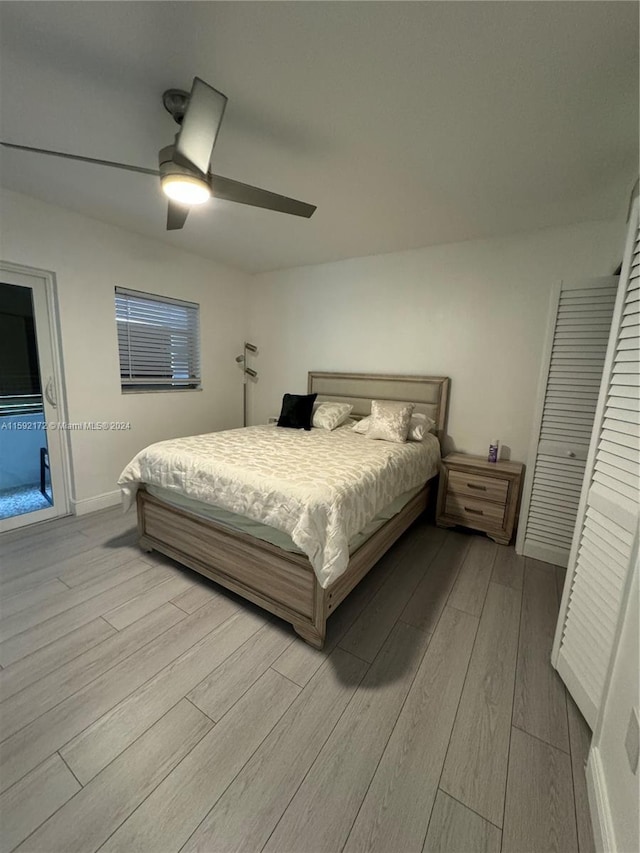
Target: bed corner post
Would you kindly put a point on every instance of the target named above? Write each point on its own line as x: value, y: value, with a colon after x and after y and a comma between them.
x: 314, y: 633
x: 143, y: 542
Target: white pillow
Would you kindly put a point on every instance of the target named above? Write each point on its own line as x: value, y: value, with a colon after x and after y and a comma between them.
x: 390, y: 420
x: 330, y: 415
x: 362, y: 426
x: 420, y: 425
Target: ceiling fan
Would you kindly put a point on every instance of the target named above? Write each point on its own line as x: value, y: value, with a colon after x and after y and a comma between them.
x: 184, y: 166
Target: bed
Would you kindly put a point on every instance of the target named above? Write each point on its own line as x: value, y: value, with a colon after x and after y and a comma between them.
x: 311, y: 553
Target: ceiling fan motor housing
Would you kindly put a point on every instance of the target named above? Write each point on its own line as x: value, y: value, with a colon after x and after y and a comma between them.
x: 168, y: 166
x: 184, y: 186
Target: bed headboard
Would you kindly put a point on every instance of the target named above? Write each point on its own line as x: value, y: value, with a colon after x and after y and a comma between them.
x: 429, y: 394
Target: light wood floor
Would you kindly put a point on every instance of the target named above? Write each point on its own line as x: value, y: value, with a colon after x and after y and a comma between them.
x: 144, y: 709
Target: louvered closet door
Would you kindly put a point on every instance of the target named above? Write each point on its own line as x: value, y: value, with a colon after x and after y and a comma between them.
x: 605, y: 543
x: 575, y: 364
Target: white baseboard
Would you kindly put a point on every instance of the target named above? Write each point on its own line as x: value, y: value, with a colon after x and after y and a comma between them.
x: 88, y: 505
x: 545, y: 553
x: 603, y: 833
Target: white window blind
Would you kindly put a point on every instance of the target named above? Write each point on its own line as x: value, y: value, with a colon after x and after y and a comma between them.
x: 605, y: 542
x: 158, y: 341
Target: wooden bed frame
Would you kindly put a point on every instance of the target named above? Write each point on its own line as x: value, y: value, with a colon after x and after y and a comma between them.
x: 281, y: 582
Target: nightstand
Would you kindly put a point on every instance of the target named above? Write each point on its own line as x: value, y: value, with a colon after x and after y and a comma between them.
x: 479, y: 494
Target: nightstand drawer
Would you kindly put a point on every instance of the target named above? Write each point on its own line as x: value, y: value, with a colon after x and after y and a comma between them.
x: 474, y: 486
x: 474, y: 511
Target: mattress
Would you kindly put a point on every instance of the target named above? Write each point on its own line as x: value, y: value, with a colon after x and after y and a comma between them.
x: 320, y: 488
x: 242, y: 524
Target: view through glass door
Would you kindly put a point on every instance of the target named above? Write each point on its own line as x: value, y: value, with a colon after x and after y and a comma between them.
x: 32, y: 483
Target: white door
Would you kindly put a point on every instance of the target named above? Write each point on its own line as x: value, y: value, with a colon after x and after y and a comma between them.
x: 578, y: 332
x: 33, y: 473
x: 605, y: 542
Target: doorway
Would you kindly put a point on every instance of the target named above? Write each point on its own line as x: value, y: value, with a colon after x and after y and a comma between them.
x: 33, y: 446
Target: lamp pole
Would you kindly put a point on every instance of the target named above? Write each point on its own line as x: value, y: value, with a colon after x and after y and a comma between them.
x: 244, y: 388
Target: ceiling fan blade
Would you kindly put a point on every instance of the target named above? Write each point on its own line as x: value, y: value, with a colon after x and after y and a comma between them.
x: 200, y: 126
x: 230, y: 190
x: 94, y: 160
x: 176, y: 215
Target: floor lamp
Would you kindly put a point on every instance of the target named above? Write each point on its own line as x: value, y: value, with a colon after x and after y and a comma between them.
x: 246, y: 372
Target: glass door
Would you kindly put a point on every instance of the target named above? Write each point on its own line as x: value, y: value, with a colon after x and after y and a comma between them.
x: 32, y: 481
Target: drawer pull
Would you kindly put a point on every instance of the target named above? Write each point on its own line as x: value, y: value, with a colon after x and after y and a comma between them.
x: 571, y: 454
x: 474, y: 511
x: 476, y: 486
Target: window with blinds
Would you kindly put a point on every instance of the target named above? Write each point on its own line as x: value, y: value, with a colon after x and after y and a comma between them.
x: 158, y: 342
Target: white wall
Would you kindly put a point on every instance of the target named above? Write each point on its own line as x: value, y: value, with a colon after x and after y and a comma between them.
x: 474, y: 311
x: 614, y: 789
x: 89, y: 259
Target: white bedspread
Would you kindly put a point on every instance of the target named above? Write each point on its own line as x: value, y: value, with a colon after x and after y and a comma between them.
x: 320, y: 487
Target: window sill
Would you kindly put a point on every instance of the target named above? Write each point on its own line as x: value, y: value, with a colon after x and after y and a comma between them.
x: 127, y: 391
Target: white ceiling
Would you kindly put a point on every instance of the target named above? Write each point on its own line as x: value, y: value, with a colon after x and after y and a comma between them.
x: 408, y: 124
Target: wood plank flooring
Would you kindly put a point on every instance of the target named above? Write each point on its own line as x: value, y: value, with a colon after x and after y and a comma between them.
x: 143, y: 708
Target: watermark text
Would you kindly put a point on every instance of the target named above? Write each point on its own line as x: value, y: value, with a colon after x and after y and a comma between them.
x: 29, y: 426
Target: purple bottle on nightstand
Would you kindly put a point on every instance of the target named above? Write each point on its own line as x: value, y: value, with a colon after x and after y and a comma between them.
x: 493, y: 451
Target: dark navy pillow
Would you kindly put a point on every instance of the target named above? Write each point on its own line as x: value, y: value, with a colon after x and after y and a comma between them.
x: 297, y: 411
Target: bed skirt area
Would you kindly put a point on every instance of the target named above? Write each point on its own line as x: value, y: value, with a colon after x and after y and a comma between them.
x: 279, y: 581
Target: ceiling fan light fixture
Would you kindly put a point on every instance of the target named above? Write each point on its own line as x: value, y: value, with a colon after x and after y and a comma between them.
x: 183, y: 167
x: 186, y: 189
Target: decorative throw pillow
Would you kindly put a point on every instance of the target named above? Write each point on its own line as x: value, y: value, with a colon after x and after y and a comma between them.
x: 296, y: 411
x: 330, y: 415
x: 420, y: 425
x: 389, y: 420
